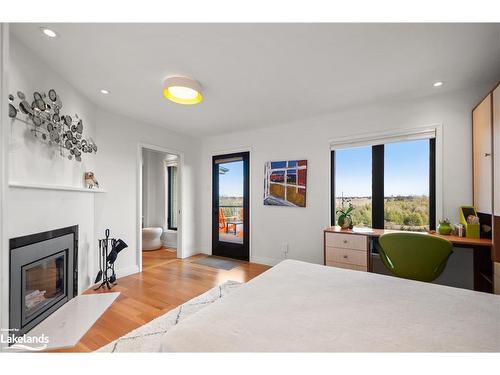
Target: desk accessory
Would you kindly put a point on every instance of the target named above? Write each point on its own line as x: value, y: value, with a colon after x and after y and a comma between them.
x: 470, y: 221
x: 459, y: 230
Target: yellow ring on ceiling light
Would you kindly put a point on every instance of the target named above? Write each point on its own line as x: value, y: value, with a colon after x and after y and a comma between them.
x: 182, y: 82
x: 197, y: 99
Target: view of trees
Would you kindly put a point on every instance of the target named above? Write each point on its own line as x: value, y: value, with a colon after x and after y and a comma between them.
x: 400, y: 212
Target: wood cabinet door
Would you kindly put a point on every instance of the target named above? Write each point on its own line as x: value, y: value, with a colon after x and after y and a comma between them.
x: 482, y: 156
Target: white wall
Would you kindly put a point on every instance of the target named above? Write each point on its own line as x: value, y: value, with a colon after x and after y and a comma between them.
x: 31, y: 161
x: 309, y: 139
x: 153, y: 188
x: 117, y: 170
x: 4, y: 131
x: 116, y: 167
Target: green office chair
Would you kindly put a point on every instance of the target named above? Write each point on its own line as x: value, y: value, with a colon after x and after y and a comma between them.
x: 416, y: 256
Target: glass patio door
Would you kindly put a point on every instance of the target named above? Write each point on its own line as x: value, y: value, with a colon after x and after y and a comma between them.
x: 230, y: 205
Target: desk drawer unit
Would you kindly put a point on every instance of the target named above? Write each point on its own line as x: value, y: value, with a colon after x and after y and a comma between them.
x: 346, y: 241
x: 346, y: 251
x: 339, y: 255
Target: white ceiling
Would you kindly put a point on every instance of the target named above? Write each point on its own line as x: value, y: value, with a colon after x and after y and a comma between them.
x: 258, y: 75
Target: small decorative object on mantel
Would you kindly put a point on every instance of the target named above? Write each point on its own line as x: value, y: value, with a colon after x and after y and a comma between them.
x: 108, y: 252
x: 48, y: 124
x: 444, y: 227
x: 90, y: 180
x: 344, y: 214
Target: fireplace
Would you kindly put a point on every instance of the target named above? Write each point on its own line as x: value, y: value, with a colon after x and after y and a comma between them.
x: 43, y: 276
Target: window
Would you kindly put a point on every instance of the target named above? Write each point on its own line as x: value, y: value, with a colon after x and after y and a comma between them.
x: 353, y: 183
x: 406, y: 185
x: 231, y: 196
x: 172, y: 198
x: 391, y: 185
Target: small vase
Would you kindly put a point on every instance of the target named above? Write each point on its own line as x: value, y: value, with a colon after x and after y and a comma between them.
x: 444, y: 229
x: 347, y: 223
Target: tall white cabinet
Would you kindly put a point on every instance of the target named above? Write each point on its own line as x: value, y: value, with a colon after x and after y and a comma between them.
x: 483, y: 156
x: 486, y: 169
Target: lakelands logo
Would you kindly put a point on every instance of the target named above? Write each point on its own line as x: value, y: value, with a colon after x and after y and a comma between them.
x: 24, y: 342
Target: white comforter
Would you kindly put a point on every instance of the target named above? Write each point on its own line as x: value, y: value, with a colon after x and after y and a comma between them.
x: 302, y: 307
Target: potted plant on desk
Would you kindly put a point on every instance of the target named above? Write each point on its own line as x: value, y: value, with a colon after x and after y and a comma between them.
x: 344, y: 215
x: 444, y: 227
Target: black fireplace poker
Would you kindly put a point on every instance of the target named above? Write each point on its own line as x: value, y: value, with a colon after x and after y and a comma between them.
x: 109, y: 248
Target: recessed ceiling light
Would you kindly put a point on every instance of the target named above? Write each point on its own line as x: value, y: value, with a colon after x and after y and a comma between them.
x: 438, y: 84
x: 49, y: 32
x: 104, y: 91
x: 182, y: 90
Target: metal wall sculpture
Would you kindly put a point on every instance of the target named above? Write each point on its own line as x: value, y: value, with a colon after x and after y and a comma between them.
x: 47, y: 123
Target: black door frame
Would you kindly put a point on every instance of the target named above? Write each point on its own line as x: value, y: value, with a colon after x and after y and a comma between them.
x: 228, y: 249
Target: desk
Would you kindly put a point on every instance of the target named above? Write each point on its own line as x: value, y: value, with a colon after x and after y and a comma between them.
x: 343, y: 248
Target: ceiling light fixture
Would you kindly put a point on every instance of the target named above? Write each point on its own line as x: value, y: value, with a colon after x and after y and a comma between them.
x: 104, y: 91
x: 438, y: 84
x: 48, y: 32
x: 182, y: 90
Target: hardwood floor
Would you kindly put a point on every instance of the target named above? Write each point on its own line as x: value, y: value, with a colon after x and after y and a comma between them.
x: 157, y: 257
x: 164, y: 283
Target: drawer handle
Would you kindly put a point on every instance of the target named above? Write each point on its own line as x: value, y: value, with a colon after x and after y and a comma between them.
x: 345, y: 241
x: 345, y: 256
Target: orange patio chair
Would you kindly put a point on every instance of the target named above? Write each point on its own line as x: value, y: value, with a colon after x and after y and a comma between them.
x: 222, y: 221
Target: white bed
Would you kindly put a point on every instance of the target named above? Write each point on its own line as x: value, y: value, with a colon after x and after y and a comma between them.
x: 303, y: 307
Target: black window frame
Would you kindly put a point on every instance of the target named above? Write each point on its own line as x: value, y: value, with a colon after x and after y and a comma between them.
x: 169, y: 198
x: 378, y: 186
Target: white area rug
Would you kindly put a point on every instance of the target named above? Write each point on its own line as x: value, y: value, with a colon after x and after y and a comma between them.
x: 147, y: 339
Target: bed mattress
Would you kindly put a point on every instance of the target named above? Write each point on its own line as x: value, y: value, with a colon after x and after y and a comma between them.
x: 303, y: 307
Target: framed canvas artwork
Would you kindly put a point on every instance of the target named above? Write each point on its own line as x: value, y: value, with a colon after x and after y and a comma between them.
x: 285, y: 183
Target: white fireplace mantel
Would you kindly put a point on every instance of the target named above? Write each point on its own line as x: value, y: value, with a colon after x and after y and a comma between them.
x: 23, y: 185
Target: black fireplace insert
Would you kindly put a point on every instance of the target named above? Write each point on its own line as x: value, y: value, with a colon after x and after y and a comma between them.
x: 43, y: 276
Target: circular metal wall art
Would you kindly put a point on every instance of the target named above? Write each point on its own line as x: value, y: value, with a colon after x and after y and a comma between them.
x: 52, y: 95
x: 37, y: 121
x: 25, y: 107
x: 12, y: 111
x: 57, y: 130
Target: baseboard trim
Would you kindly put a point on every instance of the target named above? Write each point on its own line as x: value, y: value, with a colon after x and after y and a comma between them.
x: 122, y: 272
x: 172, y: 245
x: 266, y: 261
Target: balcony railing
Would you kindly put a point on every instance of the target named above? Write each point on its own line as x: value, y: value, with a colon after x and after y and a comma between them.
x: 233, y: 211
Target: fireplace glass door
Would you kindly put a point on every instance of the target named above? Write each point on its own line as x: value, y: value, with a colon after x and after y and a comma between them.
x: 44, y: 284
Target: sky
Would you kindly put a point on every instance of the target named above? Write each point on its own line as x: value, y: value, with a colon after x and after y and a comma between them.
x: 231, y: 183
x: 406, y: 170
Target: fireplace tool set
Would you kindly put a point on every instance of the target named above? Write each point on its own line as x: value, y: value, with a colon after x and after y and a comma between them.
x: 108, y: 252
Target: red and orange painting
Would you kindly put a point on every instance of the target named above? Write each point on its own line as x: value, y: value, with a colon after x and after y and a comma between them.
x: 285, y: 183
